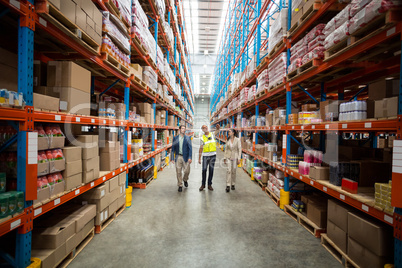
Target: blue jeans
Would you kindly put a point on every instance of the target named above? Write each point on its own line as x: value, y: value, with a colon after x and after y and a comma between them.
x: 208, y: 161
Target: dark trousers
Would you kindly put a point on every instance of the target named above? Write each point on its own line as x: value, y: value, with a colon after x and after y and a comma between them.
x: 208, y: 161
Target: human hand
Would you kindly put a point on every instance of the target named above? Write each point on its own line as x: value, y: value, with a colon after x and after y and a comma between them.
x: 190, y: 161
x: 199, y: 160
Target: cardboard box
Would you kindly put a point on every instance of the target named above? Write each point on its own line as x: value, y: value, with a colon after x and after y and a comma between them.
x: 69, y: 75
x: 109, y: 161
x: 109, y: 146
x: 98, y: 22
x: 76, y: 239
x: 52, y: 237
x: 42, y: 195
x: 73, y: 181
x: 88, y: 176
x: 338, y: 236
x: 372, y: 172
x: 72, y: 168
x: 55, y: 3
x: 383, y: 89
x: 121, y: 201
x: 386, y: 107
x: 43, y: 168
x: 56, y: 142
x: 57, y: 165
x: 113, y: 183
x: 83, y: 215
x: 137, y: 70
x: 102, y: 216
x: 113, y: 207
x: 309, y: 107
x: 122, y: 178
x: 88, y: 140
x: 43, y: 143
x: 90, y: 164
x: 72, y: 153
x: 97, y: 193
x: 317, y: 213
x: 57, y: 188
x: 45, y: 102
x: 265, y: 177
x: 329, y: 106
x: 88, y: 7
x: 74, y: 101
x: 90, y: 152
x: 67, y: 7
x: 376, y: 237
x: 143, y: 108
x: 338, y: 214
x: 363, y: 257
x: 80, y: 18
x: 382, y: 143
x: 46, y: 256
x: 319, y: 173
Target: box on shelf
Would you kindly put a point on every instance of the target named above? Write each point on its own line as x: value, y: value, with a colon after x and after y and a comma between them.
x: 338, y: 214
x: 74, y: 101
x: 69, y: 75
x: 72, y: 168
x: 309, y: 107
x: 319, y: 173
x: 317, y: 213
x: 364, y: 257
x: 383, y: 89
x: 387, y: 107
x: 376, y: 237
x: 73, y: 181
x: 109, y: 161
x: 72, y: 153
x: 42, y: 195
x: 46, y: 102
x: 136, y: 69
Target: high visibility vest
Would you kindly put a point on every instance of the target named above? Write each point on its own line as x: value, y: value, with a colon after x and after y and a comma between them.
x: 209, y: 144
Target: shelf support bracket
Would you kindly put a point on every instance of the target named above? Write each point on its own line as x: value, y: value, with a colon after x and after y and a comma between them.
x: 112, y: 85
x: 308, y: 93
x: 293, y: 138
x: 358, y: 93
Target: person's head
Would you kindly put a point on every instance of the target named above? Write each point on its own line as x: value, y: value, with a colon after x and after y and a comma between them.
x: 232, y: 133
x: 182, y: 129
x: 218, y: 127
x: 204, y: 128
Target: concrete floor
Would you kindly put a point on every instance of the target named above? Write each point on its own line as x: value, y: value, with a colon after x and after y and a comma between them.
x: 165, y: 228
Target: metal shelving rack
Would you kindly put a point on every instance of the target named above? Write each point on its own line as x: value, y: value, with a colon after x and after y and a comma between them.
x: 233, y: 59
x: 125, y: 88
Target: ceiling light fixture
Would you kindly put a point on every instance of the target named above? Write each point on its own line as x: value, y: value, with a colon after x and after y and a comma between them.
x: 206, y: 52
x: 204, y: 76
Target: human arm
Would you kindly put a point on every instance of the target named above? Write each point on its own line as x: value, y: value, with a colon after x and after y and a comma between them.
x: 172, y: 155
x: 190, y: 151
x: 239, y: 151
x: 200, y: 153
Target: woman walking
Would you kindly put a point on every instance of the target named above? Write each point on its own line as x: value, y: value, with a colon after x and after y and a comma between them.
x: 232, y: 159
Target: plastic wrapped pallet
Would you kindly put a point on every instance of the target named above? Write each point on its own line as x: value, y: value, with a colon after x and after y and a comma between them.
x: 124, y: 7
x: 357, y: 5
x: 278, y: 29
x: 316, y: 53
x: 337, y: 36
x: 263, y: 80
x: 115, y: 29
x: 138, y: 15
x: 277, y: 70
x: 110, y: 47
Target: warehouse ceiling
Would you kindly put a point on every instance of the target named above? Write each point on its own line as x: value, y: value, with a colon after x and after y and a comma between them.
x: 204, y: 25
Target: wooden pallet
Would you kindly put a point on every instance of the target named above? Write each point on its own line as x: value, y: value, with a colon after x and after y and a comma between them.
x: 387, y: 20
x: 273, y: 196
x: 307, y: 67
x: 70, y: 257
x: 275, y: 49
x: 336, y: 252
x: 141, y: 185
x: 115, y: 64
x: 53, y: 15
x: 100, y: 228
x: 115, y: 11
x: 260, y: 94
x: 310, y: 226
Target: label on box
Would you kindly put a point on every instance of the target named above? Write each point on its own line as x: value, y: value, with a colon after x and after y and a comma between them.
x: 102, y: 193
x: 63, y: 105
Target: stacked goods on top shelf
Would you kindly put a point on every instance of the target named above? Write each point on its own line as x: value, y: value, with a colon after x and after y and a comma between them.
x: 277, y: 30
x: 124, y: 7
x: 150, y: 77
x: 140, y: 29
x: 263, y: 80
x: 116, y: 39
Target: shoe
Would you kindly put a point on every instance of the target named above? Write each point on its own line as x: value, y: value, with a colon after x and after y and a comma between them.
x: 180, y: 189
x: 227, y: 189
x: 186, y: 183
x: 202, y: 187
x: 210, y: 188
x: 233, y: 187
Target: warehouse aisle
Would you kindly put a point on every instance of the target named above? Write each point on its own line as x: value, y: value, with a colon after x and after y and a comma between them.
x: 165, y: 228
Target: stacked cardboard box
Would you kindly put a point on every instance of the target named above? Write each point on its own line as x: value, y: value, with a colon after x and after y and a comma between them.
x: 137, y: 149
x: 316, y: 208
x: 108, y: 197
x: 146, y: 112
x: 110, y: 156
x: 383, y: 197
x: 171, y: 121
x: 57, y: 235
x: 71, y: 84
x: 90, y: 157
x: 370, y: 243
x: 337, y: 224
x: 73, y: 173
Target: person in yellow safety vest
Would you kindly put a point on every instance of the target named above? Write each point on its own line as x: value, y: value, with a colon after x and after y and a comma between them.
x: 208, y: 153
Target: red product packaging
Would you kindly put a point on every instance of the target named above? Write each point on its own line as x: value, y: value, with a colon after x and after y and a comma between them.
x: 349, y: 186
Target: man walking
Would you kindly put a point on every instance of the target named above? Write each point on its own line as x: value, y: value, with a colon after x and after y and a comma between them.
x: 182, y: 153
x: 208, y: 152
